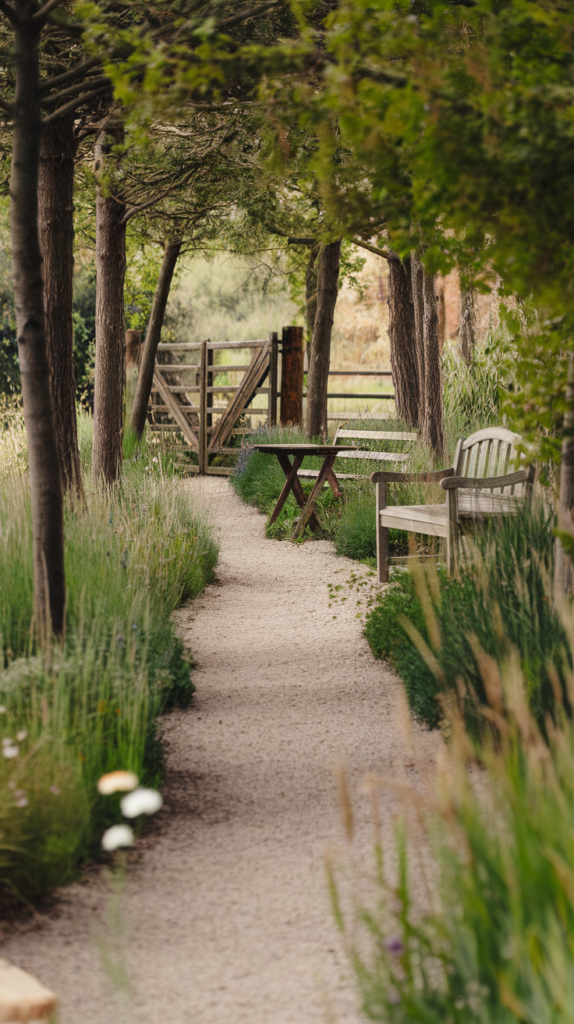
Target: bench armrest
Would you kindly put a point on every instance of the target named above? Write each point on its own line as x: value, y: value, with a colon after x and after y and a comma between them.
x: 487, y: 481
x: 384, y: 476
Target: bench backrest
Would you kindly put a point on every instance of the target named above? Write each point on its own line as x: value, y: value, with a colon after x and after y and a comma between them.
x: 373, y: 435
x: 487, y: 453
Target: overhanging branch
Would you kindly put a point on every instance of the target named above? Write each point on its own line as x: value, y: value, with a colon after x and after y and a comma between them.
x: 41, y: 16
x: 68, y: 76
x: 253, y: 12
x: 73, y: 105
x: 89, y: 85
x: 8, y: 11
x: 387, y: 254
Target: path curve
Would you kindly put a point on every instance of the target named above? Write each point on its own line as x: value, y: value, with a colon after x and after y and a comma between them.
x: 225, y: 919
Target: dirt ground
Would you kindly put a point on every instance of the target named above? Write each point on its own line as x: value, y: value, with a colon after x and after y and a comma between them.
x: 225, y: 917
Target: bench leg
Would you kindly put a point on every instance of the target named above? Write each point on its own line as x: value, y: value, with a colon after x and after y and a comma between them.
x: 452, y: 540
x: 382, y: 536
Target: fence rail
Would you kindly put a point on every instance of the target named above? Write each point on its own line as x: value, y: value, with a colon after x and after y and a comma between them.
x: 209, y: 436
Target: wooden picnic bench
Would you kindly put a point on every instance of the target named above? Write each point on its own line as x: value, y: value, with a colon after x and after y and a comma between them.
x: 478, y: 486
x: 344, y: 434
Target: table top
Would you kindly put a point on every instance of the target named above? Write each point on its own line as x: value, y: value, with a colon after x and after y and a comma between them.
x: 303, y: 449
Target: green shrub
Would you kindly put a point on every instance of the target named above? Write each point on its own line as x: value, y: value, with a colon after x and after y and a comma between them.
x: 502, y: 597
x: 388, y: 639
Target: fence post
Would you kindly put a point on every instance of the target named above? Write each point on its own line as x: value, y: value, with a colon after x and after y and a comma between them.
x: 203, y: 410
x: 292, y: 376
x: 273, y: 361
x: 210, y: 376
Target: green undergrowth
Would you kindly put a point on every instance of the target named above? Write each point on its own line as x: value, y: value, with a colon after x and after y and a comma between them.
x: 90, y: 704
x: 503, y: 598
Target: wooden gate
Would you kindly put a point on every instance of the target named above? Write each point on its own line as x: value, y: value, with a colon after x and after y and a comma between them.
x: 183, y: 392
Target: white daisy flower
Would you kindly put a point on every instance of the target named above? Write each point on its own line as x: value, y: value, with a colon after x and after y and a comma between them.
x: 117, y: 782
x: 116, y: 836
x: 141, y: 801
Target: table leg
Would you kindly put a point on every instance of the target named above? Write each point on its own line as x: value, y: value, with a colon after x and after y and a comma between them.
x: 309, y: 509
x: 291, y: 476
x: 334, y: 483
x: 295, y: 485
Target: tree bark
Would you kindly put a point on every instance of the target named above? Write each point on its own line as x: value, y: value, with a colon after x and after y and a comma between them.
x: 563, y: 569
x: 318, y: 376
x: 467, y: 324
x: 311, y: 296
x: 432, y: 427
x: 56, y: 226
x: 417, y: 281
x: 402, y: 335
x: 43, y: 459
x: 152, y: 338
x: 110, y: 330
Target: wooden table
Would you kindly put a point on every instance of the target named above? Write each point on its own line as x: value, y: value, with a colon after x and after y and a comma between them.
x: 328, y: 452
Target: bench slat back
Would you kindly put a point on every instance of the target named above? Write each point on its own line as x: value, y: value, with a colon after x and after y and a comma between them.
x: 374, y: 435
x: 487, y: 453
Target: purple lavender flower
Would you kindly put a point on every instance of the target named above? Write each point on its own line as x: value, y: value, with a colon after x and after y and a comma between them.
x: 394, y: 945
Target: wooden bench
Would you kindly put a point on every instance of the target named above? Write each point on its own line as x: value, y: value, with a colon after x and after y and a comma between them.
x: 344, y: 434
x: 478, y: 486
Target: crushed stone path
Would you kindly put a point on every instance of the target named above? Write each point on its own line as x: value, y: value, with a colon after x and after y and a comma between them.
x: 225, y: 918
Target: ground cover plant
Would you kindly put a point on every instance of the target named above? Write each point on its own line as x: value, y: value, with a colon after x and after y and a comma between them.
x: 503, y: 596
x: 88, y: 705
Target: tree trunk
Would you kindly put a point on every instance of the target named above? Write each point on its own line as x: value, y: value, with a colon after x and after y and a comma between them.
x: 432, y: 426
x: 564, y: 570
x: 402, y: 335
x: 318, y: 376
x: 56, y: 226
x: 417, y: 281
x: 45, y: 482
x: 152, y: 338
x: 311, y: 296
x: 467, y: 324
x: 110, y: 330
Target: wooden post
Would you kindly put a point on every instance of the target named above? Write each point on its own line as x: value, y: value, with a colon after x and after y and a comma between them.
x: 292, y: 377
x: 273, y: 365
x: 203, y: 410
x: 209, y: 385
x: 382, y: 534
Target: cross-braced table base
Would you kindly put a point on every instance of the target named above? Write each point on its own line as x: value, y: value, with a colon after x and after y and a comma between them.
x: 328, y: 452
x: 292, y: 483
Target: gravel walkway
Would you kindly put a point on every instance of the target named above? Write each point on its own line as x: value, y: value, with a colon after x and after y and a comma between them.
x: 225, y: 918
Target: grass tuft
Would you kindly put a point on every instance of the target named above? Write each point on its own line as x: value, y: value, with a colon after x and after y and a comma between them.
x: 90, y: 705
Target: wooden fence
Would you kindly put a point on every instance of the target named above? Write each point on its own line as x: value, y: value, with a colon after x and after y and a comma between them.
x: 191, y: 407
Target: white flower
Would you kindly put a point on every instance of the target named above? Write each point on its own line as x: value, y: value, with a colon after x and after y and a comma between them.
x: 116, y: 836
x: 55, y: 790
x: 10, y: 750
x: 155, y: 459
x: 2, y: 709
x: 22, y: 801
x: 117, y: 782
x: 22, y: 735
x: 141, y: 801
